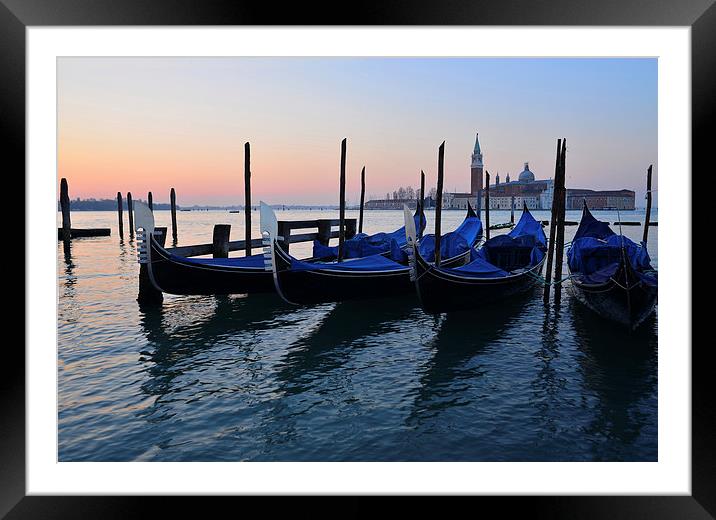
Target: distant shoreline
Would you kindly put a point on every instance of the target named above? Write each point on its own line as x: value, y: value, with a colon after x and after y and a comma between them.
x: 323, y: 208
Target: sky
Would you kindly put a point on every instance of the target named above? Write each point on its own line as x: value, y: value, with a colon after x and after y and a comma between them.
x: 149, y: 124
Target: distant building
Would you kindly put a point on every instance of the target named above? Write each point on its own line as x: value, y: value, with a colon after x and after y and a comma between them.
x: 459, y: 200
x: 536, y: 194
x: 526, y: 190
x: 390, y: 203
x: 476, y: 168
x: 603, y: 199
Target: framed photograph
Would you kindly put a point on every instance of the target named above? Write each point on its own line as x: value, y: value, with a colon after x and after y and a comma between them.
x: 414, y: 252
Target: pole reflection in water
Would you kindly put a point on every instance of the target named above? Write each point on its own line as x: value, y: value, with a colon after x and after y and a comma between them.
x: 204, y: 348
x: 455, y: 381
x: 348, y: 326
x: 322, y: 399
x: 69, y: 276
x: 548, y: 383
x: 250, y: 378
x: 68, y: 285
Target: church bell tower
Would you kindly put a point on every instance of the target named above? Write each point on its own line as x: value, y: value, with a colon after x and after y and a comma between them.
x: 476, y: 168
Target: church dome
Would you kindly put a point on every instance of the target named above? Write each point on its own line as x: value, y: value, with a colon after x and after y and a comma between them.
x: 526, y: 175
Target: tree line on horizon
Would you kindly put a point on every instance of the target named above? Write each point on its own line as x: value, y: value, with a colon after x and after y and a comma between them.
x: 407, y: 193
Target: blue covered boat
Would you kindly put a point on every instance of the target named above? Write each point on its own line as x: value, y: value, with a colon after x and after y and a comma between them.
x: 173, y: 274
x: 611, y: 274
x: 362, y: 245
x: 504, y: 266
x: 374, y: 276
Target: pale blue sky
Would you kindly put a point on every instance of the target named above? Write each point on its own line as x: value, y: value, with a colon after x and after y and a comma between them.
x: 147, y: 123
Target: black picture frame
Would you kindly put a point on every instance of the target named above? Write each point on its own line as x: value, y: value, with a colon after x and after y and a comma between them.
x: 700, y: 15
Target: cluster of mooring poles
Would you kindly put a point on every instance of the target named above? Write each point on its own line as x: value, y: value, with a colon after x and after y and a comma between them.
x: 221, y: 245
x: 130, y: 216
x: 555, y: 245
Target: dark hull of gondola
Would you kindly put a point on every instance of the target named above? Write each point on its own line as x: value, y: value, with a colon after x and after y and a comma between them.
x: 440, y: 291
x: 307, y: 287
x: 621, y: 299
x: 172, y: 275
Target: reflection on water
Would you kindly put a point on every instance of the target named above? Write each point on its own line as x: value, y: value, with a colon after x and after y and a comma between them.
x: 622, y: 378
x: 251, y: 378
x: 343, y: 328
x: 454, y: 365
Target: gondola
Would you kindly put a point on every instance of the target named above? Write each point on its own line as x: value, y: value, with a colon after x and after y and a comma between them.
x: 301, y: 282
x: 173, y: 274
x: 611, y: 274
x: 504, y: 266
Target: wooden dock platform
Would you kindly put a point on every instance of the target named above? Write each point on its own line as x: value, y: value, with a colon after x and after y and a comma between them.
x: 81, y: 233
x: 67, y: 232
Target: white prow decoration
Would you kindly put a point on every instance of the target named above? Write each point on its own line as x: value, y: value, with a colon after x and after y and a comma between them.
x: 269, y: 223
x: 411, y: 238
x: 410, y: 233
x: 269, y: 230
x: 143, y: 217
x: 144, y: 226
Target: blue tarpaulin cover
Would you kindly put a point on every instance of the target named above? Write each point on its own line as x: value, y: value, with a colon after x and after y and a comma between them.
x: 527, y: 237
x: 366, y: 245
x: 369, y: 263
x: 483, y: 268
x: 529, y: 227
x: 596, y: 252
x: 453, y: 243
x: 241, y: 261
x: 459, y: 241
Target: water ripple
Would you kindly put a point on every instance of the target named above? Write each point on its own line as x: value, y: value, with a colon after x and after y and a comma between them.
x: 250, y: 378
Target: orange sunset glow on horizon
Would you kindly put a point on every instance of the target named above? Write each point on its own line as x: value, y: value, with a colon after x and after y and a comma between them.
x: 148, y: 124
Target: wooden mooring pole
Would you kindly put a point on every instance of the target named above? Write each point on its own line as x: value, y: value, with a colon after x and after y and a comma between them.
x: 422, y: 192
x: 119, y: 215
x: 324, y: 231
x: 487, y: 205
x: 173, y: 209
x: 150, y: 202
x: 648, y: 205
x: 284, y: 234
x: 439, y: 202
x: 559, y: 246
x: 65, y: 207
x: 160, y: 234
x: 342, y: 203
x: 553, y: 217
x: 362, y: 200
x: 351, y: 228
x: 130, y: 213
x: 478, y: 204
x: 221, y: 240
x: 66, y: 232
x: 512, y: 210
x: 247, y: 198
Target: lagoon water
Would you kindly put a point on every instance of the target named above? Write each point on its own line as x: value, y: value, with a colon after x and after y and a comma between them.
x: 247, y: 378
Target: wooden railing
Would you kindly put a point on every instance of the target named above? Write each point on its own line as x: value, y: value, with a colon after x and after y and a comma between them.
x: 221, y: 245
